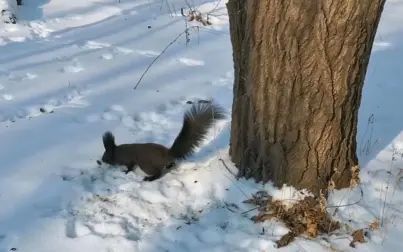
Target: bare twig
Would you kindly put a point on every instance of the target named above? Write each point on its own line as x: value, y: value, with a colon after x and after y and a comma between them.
x: 226, y: 167
x: 350, y: 204
x: 189, y: 5
x: 185, y: 32
x: 250, y: 210
x: 213, y: 31
x: 235, y: 176
x: 159, y: 55
x: 215, y: 7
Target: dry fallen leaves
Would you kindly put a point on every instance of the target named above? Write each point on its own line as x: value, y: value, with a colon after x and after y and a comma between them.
x: 358, y: 236
x: 305, y: 217
x: 374, y: 225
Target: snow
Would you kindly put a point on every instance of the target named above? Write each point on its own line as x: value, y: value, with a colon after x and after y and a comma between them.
x: 67, y: 73
x: 8, y: 5
x: 8, y: 9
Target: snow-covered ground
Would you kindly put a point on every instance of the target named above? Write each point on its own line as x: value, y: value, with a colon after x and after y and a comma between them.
x: 8, y: 9
x: 67, y: 73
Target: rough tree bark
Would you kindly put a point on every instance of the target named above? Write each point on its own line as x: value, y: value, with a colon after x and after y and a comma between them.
x: 299, y: 72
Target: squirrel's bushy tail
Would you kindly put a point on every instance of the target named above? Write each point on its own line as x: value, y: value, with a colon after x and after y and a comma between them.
x: 196, y: 123
x: 109, y: 141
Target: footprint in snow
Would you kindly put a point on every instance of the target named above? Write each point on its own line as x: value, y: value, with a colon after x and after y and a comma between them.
x: 40, y: 29
x: 92, y: 118
x: 224, y: 81
x: 108, y: 116
x: 129, y: 12
x: 147, y: 53
x: 17, y: 115
x: 128, y: 121
x: 7, y: 97
x: 155, y: 125
x: 115, y: 51
x: 122, y: 50
x: 162, y: 108
x: 72, y: 99
x: 113, y: 224
x: 73, y: 68
x: 107, y: 56
x: 149, y: 125
x: 113, y: 113
x: 95, y: 45
x: 118, y: 108
x: 17, y: 39
x: 21, y: 77
x: 191, y: 62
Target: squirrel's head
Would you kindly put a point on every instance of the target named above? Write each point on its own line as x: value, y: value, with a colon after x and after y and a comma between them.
x: 107, y: 157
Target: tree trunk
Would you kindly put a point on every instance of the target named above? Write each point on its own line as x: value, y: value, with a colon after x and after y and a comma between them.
x: 299, y: 72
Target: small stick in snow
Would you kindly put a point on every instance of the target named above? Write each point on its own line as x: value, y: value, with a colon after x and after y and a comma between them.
x: 250, y: 210
x: 226, y: 167
x: 350, y: 204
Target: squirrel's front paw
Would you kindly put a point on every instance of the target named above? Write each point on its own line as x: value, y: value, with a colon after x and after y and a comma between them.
x: 152, y: 178
x: 149, y: 178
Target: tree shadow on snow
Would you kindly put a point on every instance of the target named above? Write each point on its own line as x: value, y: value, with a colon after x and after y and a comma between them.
x: 380, y: 117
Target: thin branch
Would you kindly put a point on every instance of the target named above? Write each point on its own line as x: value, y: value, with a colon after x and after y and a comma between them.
x: 350, y: 204
x: 226, y: 167
x: 215, y: 7
x: 250, y: 210
x: 159, y: 55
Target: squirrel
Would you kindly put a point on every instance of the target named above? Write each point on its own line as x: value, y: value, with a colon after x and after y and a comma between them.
x: 156, y: 160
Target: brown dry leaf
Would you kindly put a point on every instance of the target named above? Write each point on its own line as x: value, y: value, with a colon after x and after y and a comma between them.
x: 331, y: 185
x: 358, y: 236
x: 312, y: 228
x: 307, y: 216
x: 191, y: 17
x: 261, y: 217
x: 197, y: 16
x: 286, y: 239
x: 355, y: 176
x: 374, y: 225
x: 322, y: 201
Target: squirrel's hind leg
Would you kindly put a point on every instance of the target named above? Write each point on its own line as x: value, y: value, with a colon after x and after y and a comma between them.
x: 160, y: 172
x: 153, y: 177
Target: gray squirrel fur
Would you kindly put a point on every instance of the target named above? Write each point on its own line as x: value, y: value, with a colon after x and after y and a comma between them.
x: 155, y: 159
